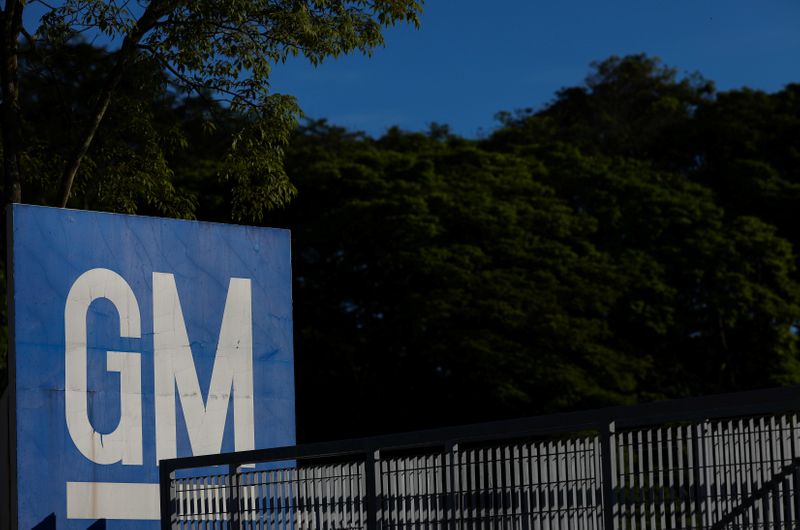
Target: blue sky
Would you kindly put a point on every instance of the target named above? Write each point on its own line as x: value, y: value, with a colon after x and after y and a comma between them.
x: 473, y: 58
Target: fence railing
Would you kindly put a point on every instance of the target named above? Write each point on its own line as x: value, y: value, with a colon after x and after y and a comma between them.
x: 719, y: 462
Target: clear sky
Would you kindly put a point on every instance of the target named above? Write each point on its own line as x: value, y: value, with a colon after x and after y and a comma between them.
x: 473, y: 58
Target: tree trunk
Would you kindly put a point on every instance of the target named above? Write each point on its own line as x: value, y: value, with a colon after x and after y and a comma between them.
x: 11, y: 24
x: 103, y: 100
x: 124, y: 56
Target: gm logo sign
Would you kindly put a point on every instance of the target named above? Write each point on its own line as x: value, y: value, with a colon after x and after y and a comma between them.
x: 173, y: 366
x: 138, y: 339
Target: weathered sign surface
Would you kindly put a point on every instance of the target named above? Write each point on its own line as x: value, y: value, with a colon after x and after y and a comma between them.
x: 137, y: 339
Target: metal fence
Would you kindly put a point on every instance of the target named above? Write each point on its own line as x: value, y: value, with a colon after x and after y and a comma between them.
x: 727, y: 461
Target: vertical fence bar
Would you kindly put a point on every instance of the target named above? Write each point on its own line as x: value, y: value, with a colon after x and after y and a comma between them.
x: 558, y: 457
x: 416, y: 484
x: 723, y: 469
x: 468, y: 488
x: 426, y: 487
x: 166, y: 488
x: 526, y: 482
x: 347, y: 495
x: 406, y: 494
x: 738, y: 458
x: 402, y: 493
x: 372, y: 488
x: 640, y: 500
x: 392, y: 514
x: 451, y: 517
x: 572, y: 483
x: 206, y: 485
x: 440, y: 489
x: 660, y: 497
x: 795, y: 452
x: 536, y: 486
x: 766, y: 469
x: 244, y: 502
x: 413, y: 489
x: 608, y: 480
x: 755, y: 468
x: 481, y: 474
x: 680, y: 482
x: 420, y: 472
x: 697, y: 477
x: 630, y: 473
x: 191, y: 512
x: 274, y: 499
x: 579, y: 502
x: 215, y: 496
x: 509, y: 485
x: 549, y: 480
x: 787, y: 459
x: 747, y: 467
x: 258, y: 500
x: 301, y: 501
x: 650, y: 498
x: 744, y: 465
x: 233, y: 498
x: 716, y: 508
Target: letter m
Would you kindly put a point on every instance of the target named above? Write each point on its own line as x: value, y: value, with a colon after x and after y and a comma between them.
x: 174, y: 367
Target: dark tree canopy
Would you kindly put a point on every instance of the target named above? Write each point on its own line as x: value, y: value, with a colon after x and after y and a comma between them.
x: 635, y: 239
x: 632, y: 240
x: 440, y: 280
x: 218, y: 51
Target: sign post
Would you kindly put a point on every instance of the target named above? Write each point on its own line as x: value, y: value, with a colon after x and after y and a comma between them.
x: 135, y: 339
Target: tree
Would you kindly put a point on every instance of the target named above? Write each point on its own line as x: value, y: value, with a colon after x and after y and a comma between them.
x: 692, y: 191
x: 429, y: 271
x: 741, y: 143
x: 746, y: 151
x: 220, y: 50
x: 709, y: 300
x: 115, y: 125
x: 554, y: 265
x: 632, y: 106
x: 129, y: 167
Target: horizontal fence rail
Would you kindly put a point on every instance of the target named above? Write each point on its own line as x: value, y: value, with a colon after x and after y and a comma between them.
x: 720, y: 462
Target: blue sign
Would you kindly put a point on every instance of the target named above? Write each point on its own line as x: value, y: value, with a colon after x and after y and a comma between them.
x: 137, y: 339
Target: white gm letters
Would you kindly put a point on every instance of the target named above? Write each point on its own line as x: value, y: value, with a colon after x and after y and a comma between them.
x: 173, y: 367
x: 125, y: 443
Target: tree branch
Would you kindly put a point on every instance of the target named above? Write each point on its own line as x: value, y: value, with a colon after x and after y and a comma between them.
x: 125, y: 54
x: 197, y: 88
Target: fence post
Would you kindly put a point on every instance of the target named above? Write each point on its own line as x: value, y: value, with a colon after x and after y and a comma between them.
x: 697, y: 477
x: 372, y: 487
x: 450, y: 487
x: 167, y: 493
x: 608, y: 450
x: 232, y: 501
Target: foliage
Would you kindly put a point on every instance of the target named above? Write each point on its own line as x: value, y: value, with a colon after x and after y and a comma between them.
x: 127, y: 169
x: 747, y: 152
x: 452, y: 269
x: 632, y: 240
x: 669, y: 205
x: 102, y: 129
x: 219, y: 51
x: 692, y: 277
x: 505, y: 282
x: 630, y: 106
